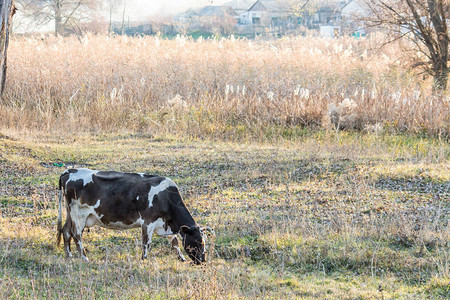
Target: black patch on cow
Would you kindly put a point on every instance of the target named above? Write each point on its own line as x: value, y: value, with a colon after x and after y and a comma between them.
x: 74, y: 189
x: 149, y: 176
x: 174, y: 195
x: 112, y: 175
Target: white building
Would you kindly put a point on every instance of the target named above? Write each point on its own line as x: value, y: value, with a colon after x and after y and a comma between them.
x: 264, y: 13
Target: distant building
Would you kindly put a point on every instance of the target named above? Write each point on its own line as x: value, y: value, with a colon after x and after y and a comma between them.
x: 327, y: 15
x: 217, y: 19
x: 265, y: 13
x: 276, y: 17
x: 217, y: 11
x: 188, y: 16
x: 330, y: 31
x: 267, y: 16
x: 240, y: 6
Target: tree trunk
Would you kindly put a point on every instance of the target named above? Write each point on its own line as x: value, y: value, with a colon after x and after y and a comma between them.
x: 439, y: 18
x: 7, y: 10
x: 440, y: 78
x: 58, y: 18
x: 123, y: 17
x: 110, y: 17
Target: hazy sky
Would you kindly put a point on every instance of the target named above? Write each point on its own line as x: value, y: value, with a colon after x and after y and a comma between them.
x: 136, y: 10
x: 146, y: 8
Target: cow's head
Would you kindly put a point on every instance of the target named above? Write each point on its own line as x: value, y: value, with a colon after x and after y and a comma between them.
x: 193, y: 243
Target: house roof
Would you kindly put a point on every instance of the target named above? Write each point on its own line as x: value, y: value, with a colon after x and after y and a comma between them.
x: 191, y: 12
x: 269, y: 5
x: 240, y: 5
x: 217, y: 11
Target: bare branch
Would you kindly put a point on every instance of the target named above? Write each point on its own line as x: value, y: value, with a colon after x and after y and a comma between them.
x: 424, y: 24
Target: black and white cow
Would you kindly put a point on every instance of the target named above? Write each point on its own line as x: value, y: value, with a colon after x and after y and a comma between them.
x: 118, y: 200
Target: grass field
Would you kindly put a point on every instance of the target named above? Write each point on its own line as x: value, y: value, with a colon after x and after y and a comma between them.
x: 330, y: 215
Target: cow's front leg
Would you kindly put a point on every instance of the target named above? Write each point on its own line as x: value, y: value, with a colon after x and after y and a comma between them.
x: 147, y: 234
x: 173, y: 240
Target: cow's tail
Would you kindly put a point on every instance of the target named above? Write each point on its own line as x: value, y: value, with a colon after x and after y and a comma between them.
x: 59, y: 226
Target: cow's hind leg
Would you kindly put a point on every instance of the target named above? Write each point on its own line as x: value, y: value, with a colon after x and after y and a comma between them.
x: 147, y: 234
x: 67, y: 236
x: 77, y: 239
x: 173, y: 240
x: 78, y: 224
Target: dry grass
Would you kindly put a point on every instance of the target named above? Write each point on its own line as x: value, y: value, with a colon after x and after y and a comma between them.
x: 334, y: 216
x: 222, y: 88
x: 300, y: 212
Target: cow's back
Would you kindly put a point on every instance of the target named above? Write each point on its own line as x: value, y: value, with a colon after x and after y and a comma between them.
x: 115, y: 196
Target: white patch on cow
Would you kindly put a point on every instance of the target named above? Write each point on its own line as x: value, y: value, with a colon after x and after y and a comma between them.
x: 155, y: 190
x: 137, y: 198
x: 79, y: 214
x: 159, y: 225
x: 150, y: 229
x: 83, y: 174
x: 203, y: 240
x: 84, y: 215
x: 80, y: 245
x: 180, y: 254
x: 91, y: 221
x: 119, y: 225
x: 68, y: 251
x: 97, y: 204
x: 142, y: 174
x: 145, y: 251
x: 158, y: 228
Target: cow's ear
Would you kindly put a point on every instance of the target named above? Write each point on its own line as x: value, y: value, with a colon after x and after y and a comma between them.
x: 184, y: 229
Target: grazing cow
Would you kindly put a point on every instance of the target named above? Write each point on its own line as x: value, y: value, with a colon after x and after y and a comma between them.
x: 118, y: 200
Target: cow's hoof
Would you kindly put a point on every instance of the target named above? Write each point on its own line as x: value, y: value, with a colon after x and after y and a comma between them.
x: 85, y: 258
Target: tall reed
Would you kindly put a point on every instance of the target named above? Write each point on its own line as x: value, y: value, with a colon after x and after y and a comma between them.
x: 208, y: 86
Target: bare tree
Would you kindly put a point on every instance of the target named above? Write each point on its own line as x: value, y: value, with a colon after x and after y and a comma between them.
x: 119, y: 12
x: 112, y: 7
x: 64, y: 13
x: 7, y: 10
x: 305, y: 9
x: 298, y: 6
x: 425, y: 24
